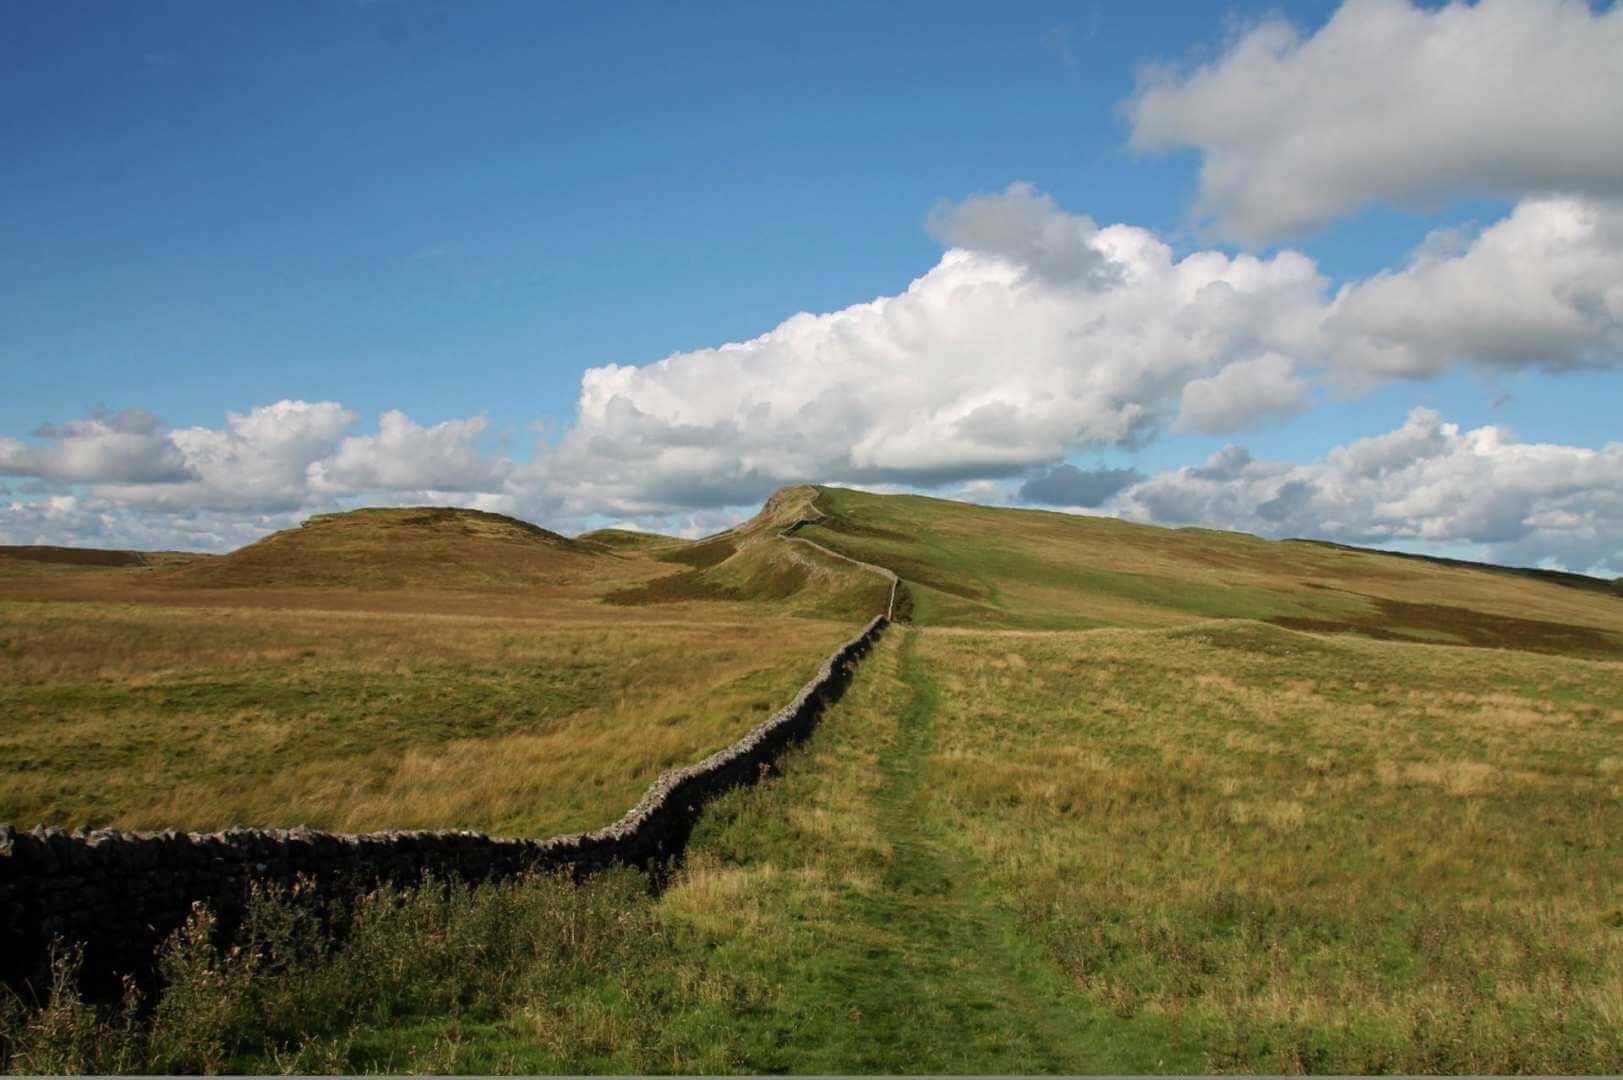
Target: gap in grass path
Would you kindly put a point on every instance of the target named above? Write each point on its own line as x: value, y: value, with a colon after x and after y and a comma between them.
x: 916, y: 967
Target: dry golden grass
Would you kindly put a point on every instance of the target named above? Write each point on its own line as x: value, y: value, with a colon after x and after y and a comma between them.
x: 154, y: 698
x: 1320, y: 854
x: 396, y: 669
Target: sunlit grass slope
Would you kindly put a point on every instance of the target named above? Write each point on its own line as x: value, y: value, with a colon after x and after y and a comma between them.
x: 1299, y: 852
x: 397, y: 668
x: 752, y: 562
x: 421, y: 547
x: 148, y: 716
x: 631, y: 538
x: 977, y: 566
x: 1222, y: 847
x: 1197, y: 840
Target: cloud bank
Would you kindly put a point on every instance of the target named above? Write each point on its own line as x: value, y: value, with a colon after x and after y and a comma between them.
x: 1427, y: 481
x: 1390, y: 102
x: 1039, y: 334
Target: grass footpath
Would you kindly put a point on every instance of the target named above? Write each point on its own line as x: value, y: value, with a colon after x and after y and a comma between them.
x: 872, y: 926
x: 825, y: 923
x: 1004, y: 1004
x: 1014, y: 854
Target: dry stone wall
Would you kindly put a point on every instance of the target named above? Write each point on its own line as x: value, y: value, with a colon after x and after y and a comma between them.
x: 121, y: 893
x: 897, y: 589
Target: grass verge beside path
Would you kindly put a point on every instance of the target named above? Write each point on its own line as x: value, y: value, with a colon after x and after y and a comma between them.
x: 1307, y: 854
x: 826, y: 922
x: 868, y: 928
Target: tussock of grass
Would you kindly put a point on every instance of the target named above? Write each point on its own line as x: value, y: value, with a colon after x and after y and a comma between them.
x: 433, y: 979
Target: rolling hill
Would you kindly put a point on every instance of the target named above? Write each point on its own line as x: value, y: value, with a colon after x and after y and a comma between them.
x: 752, y: 561
x: 45, y: 560
x: 1121, y: 798
x: 976, y: 566
x: 416, y: 547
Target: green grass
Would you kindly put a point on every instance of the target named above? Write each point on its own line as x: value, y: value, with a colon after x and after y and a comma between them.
x: 152, y: 716
x: 1304, y: 854
x: 887, y: 951
x: 1224, y: 847
x: 400, y: 668
x: 1075, y: 823
x: 825, y: 922
x: 977, y: 566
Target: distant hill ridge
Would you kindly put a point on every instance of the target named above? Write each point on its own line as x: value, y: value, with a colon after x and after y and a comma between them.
x: 980, y: 566
x: 964, y: 565
x: 1554, y: 577
x: 72, y: 556
x: 395, y: 547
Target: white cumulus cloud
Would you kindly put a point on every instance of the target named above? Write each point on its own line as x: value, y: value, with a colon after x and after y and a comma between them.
x: 1394, y: 102
x: 405, y: 456
x: 1241, y: 393
x: 125, y: 447
x: 1048, y: 333
x: 257, y: 461
x: 1542, y: 288
x: 1039, y: 334
x: 1426, y: 481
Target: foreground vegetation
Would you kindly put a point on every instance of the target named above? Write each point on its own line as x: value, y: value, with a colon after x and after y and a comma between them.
x: 1124, y: 800
x: 1227, y: 847
x: 1306, y: 854
x: 250, y: 689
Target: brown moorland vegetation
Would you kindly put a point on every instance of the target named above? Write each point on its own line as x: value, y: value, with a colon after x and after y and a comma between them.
x: 389, y: 669
x: 1286, y: 808
x: 987, y: 567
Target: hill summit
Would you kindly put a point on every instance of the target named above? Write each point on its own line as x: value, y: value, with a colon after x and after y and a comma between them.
x: 420, y: 547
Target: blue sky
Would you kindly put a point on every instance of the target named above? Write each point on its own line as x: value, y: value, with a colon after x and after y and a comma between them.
x: 454, y: 210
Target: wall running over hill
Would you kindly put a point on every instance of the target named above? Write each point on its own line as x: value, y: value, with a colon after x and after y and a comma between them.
x: 122, y: 893
x: 897, y: 589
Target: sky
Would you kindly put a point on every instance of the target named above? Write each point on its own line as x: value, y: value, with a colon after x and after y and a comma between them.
x: 1343, y: 270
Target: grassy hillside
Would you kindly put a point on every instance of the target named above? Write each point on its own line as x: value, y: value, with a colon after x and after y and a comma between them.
x: 632, y: 539
x: 420, y: 547
x: 976, y: 566
x: 1223, y: 847
x: 1123, y: 799
x: 43, y: 560
x: 394, y: 668
x: 157, y: 716
x: 753, y: 562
